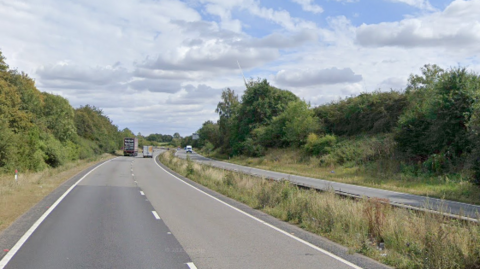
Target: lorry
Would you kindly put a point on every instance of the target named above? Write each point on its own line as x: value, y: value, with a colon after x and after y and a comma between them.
x: 147, y: 151
x: 130, y: 146
x: 188, y: 149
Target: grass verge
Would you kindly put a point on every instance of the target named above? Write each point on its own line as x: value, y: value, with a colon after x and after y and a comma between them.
x: 382, y: 174
x: 396, y: 237
x: 16, y: 198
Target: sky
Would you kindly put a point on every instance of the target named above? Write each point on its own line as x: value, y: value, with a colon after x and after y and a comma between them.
x: 159, y: 66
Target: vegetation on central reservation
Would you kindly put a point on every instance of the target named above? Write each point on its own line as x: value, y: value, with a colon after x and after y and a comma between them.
x: 428, y: 131
x: 394, y: 236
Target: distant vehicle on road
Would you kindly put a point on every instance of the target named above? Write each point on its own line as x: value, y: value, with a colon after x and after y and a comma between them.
x: 189, y: 149
x: 130, y: 146
x: 147, y: 151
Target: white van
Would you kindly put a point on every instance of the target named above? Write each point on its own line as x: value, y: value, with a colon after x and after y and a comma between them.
x: 189, y: 149
x: 147, y: 151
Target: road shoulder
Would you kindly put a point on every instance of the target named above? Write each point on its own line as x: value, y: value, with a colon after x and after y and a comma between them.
x: 10, y: 236
x: 314, y: 239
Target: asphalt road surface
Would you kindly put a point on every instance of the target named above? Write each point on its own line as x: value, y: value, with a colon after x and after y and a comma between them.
x: 104, y: 222
x: 450, y: 207
x: 132, y: 213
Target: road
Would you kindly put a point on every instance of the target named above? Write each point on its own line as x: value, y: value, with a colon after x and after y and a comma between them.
x: 402, y: 199
x: 132, y: 213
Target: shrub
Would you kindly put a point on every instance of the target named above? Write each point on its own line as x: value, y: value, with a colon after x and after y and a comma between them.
x: 55, y: 154
x: 438, y: 116
x: 360, y: 150
x: 209, y: 147
x: 250, y: 148
x: 320, y: 145
x: 372, y: 113
x: 190, y: 168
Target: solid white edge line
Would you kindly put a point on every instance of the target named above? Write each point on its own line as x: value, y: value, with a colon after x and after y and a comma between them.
x: 191, y: 265
x: 32, y: 229
x: 155, y: 215
x: 142, y: 193
x: 266, y: 224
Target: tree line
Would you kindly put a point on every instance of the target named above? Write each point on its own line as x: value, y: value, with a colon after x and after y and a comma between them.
x: 40, y: 130
x: 433, y: 125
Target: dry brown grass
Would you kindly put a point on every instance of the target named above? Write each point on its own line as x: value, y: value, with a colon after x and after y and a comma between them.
x: 394, y: 236
x: 16, y: 198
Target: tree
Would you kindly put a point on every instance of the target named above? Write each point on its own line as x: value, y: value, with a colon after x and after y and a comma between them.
x: 155, y: 138
x: 3, y: 64
x: 370, y: 113
x: 59, y: 117
x: 209, y: 132
x: 93, y: 125
x: 126, y: 133
x: 227, y: 110
x: 10, y: 103
x: 437, y: 117
x: 39, y: 130
x: 260, y: 103
x: 299, y: 121
x: 430, y: 75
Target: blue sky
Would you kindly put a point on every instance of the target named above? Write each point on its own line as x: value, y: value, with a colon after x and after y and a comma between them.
x: 159, y: 66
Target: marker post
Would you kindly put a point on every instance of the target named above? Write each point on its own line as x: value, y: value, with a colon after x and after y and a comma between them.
x: 16, y: 175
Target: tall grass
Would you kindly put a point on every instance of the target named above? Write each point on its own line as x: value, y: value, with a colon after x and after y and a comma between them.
x: 396, y: 237
x: 361, y: 165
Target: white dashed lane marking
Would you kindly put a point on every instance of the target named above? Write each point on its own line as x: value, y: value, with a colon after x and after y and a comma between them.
x: 155, y: 215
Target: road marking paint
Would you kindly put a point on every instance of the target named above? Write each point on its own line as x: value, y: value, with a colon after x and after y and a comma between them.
x: 169, y: 233
x: 133, y: 175
x: 32, y: 229
x: 266, y: 223
x: 191, y: 265
x: 155, y: 215
x: 142, y: 193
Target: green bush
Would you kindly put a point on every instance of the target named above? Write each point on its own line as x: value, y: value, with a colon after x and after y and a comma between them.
x: 438, y: 116
x: 55, y: 153
x: 371, y: 113
x: 208, y: 147
x: 86, y: 148
x: 320, y: 145
x: 72, y: 151
x: 253, y: 149
x: 7, y: 147
x: 37, y: 162
x: 360, y: 150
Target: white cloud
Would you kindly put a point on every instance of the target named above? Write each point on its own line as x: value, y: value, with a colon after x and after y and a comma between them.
x: 223, y: 10
x: 347, y: 1
x: 71, y: 73
x: 421, y: 4
x: 160, y: 65
x: 310, y: 77
x: 456, y: 28
x: 308, y: 5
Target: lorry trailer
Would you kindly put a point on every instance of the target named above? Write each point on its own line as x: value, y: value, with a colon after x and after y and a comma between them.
x: 130, y: 146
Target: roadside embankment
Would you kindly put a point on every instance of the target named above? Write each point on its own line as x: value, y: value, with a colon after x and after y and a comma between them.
x: 394, y: 236
x: 381, y: 174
